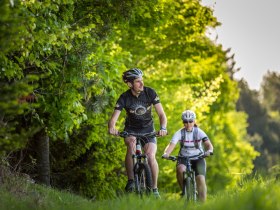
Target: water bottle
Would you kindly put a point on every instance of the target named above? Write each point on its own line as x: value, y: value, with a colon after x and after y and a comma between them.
x: 138, y: 149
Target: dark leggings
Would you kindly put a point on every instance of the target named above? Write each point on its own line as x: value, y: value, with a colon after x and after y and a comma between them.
x: 199, y: 166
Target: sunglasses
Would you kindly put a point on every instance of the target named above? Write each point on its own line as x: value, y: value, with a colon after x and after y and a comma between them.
x: 186, y: 121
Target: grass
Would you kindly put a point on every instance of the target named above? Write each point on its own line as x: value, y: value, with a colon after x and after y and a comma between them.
x: 251, y: 194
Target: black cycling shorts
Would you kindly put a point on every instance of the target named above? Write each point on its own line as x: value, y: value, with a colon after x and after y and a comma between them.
x: 144, y: 140
x: 199, y: 166
x: 148, y: 140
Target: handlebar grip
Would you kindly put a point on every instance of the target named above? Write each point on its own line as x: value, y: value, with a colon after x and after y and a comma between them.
x: 210, y: 153
x: 123, y: 134
x: 173, y: 158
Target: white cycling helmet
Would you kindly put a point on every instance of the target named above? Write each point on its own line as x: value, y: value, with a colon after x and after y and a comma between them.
x: 188, y: 115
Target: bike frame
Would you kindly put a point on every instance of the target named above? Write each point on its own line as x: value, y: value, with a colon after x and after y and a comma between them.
x: 142, y: 172
x: 189, y: 182
x: 139, y: 176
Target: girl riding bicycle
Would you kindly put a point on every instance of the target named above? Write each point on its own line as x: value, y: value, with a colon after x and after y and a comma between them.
x: 193, y: 141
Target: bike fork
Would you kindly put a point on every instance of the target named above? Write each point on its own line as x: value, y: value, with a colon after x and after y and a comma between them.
x: 135, y: 171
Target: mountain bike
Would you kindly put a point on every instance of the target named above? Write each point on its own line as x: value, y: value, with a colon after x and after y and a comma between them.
x: 189, y: 190
x: 142, y: 173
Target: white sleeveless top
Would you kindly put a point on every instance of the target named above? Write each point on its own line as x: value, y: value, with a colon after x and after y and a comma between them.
x: 189, y: 148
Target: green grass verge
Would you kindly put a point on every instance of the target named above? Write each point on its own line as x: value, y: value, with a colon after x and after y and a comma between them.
x: 252, y: 194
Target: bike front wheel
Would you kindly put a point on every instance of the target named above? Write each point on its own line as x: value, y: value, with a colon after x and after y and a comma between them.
x: 189, y: 189
x: 143, y: 179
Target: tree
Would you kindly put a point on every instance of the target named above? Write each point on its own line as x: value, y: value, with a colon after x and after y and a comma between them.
x: 69, y: 57
x: 262, y: 126
x: 191, y: 72
x: 270, y: 88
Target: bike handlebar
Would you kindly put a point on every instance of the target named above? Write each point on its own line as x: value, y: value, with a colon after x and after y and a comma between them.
x: 174, y: 158
x: 138, y: 135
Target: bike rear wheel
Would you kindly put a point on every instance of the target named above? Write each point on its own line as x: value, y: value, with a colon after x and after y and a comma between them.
x: 143, y: 179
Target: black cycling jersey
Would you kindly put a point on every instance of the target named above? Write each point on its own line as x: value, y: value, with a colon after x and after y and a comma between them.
x: 138, y: 110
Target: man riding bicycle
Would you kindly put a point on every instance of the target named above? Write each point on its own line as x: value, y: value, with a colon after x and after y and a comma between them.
x: 138, y: 102
x: 191, y: 138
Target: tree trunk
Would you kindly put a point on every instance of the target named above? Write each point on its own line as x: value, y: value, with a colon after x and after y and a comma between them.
x: 43, y: 160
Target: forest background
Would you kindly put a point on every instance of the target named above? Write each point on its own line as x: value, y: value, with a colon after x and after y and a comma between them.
x: 61, y: 66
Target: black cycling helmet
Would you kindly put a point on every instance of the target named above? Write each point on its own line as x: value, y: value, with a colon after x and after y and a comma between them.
x: 132, y: 74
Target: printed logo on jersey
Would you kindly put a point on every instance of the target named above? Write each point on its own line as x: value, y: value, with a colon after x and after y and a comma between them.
x: 139, y: 110
x: 156, y: 98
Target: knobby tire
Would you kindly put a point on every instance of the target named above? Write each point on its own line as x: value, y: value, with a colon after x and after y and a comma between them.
x: 194, y: 188
x: 189, y: 189
x: 143, y: 179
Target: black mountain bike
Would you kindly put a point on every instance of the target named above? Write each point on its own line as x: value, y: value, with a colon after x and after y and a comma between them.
x: 142, y: 172
x: 189, y: 190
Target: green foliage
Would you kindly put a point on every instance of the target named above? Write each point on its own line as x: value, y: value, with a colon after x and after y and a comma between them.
x: 269, y: 90
x: 226, y: 165
x: 88, y: 157
x: 268, y: 94
x: 263, y: 121
x: 16, y: 106
x: 66, y: 44
x: 69, y: 56
x: 190, y: 72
